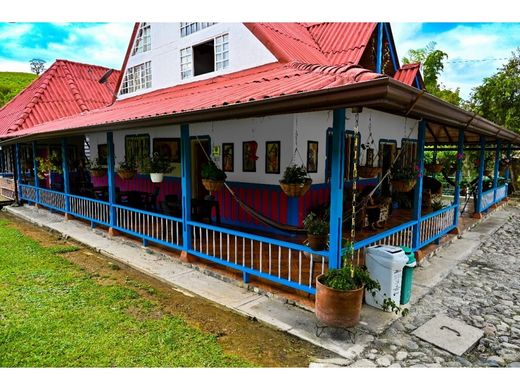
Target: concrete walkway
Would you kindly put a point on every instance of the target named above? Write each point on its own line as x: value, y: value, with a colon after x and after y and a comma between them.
x: 267, y: 309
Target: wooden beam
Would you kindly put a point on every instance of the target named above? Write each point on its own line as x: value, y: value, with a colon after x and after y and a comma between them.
x: 447, y: 134
x: 432, y: 133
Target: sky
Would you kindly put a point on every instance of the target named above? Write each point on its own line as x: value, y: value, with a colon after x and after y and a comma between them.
x: 475, y: 50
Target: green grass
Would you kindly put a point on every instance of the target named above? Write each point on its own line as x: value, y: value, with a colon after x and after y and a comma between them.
x: 13, y: 82
x: 53, y: 314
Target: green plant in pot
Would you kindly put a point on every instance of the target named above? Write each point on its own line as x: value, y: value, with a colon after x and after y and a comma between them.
x: 437, y: 205
x: 48, y: 164
x: 157, y: 166
x: 403, y: 178
x: 339, y: 292
x: 96, y: 168
x: 212, y: 176
x: 295, y: 181
x: 317, y: 231
x: 127, y: 169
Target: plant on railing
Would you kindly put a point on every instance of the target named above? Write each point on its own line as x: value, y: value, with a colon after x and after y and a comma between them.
x: 48, y: 164
x: 212, y: 176
x: 96, y: 168
x: 295, y: 180
x: 157, y: 165
x: 127, y: 169
x: 317, y: 231
x: 438, y: 204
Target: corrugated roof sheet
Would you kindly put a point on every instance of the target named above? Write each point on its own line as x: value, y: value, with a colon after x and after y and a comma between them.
x: 263, y: 82
x: 407, y: 73
x: 65, y: 89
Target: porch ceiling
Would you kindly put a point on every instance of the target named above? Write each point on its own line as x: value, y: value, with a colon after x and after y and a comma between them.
x: 311, y: 88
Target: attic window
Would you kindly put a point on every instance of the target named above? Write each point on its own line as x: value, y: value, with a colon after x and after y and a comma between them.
x: 188, y: 28
x: 205, y: 57
x: 137, y: 77
x: 143, y: 40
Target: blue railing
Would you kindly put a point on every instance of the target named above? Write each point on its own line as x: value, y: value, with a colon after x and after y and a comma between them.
x: 437, y: 224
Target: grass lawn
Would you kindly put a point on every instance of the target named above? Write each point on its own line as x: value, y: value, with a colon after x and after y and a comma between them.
x: 54, y: 314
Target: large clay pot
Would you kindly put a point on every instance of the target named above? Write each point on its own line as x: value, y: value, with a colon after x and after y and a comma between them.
x: 341, y: 309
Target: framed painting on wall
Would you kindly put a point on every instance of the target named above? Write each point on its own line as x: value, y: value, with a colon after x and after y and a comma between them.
x: 137, y: 147
x: 228, y: 157
x: 272, y: 157
x: 169, y: 148
x: 312, y: 156
x: 249, y: 156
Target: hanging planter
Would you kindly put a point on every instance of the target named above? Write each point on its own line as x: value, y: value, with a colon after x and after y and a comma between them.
x: 368, y: 172
x: 212, y: 177
x: 127, y: 169
x: 156, y: 177
x: 157, y: 166
x: 295, y: 181
x: 434, y: 167
x: 403, y: 185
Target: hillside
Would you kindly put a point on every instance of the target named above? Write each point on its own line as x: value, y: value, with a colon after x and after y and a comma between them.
x: 11, y: 83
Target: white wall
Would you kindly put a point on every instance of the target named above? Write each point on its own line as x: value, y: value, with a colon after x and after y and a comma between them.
x: 245, y: 51
x: 311, y: 126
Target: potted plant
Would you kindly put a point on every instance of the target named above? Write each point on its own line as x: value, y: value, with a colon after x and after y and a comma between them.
x: 403, y: 178
x: 317, y: 231
x: 339, y: 293
x: 295, y: 181
x: 48, y: 164
x: 96, y: 168
x: 437, y: 204
x: 432, y: 165
x: 127, y: 169
x: 157, y: 166
x: 212, y: 176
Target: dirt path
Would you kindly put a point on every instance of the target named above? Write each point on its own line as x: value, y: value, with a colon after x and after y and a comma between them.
x: 236, y: 334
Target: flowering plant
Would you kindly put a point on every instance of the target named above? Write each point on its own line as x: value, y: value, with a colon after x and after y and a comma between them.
x: 460, y: 156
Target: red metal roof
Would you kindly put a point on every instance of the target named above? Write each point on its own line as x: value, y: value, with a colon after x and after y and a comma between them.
x: 263, y: 82
x: 407, y: 74
x: 65, y: 89
x: 315, y: 43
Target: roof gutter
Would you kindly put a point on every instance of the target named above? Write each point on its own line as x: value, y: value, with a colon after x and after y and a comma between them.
x: 383, y: 94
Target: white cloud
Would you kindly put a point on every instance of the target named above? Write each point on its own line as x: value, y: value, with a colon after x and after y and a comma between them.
x: 14, y: 66
x: 465, y: 42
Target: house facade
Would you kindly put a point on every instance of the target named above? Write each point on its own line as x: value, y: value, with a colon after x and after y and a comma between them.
x: 255, y: 98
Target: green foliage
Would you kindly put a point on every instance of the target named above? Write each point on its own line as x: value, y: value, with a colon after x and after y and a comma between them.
x: 432, y: 61
x: 295, y: 174
x: 49, y: 164
x: 157, y: 164
x: 127, y: 165
x: 11, y: 83
x: 404, y: 172
x: 498, y: 98
x: 55, y: 314
x: 437, y: 205
x: 212, y: 172
x: 315, y: 225
x: 96, y: 164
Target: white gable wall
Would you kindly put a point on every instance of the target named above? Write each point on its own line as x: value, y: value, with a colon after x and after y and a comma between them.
x: 245, y: 51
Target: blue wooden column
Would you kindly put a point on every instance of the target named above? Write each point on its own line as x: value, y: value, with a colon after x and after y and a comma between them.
x: 496, y: 171
x: 111, y: 180
x: 18, y: 168
x: 336, y: 187
x: 482, y: 164
x: 65, y: 169
x: 35, y: 170
x: 458, y: 176
x: 186, y: 187
x: 379, y: 50
x: 417, y: 197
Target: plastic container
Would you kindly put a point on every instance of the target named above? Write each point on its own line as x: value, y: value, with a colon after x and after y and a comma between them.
x: 385, y: 264
x: 407, y: 282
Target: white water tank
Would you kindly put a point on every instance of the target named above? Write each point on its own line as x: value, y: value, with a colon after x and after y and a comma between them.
x: 385, y: 264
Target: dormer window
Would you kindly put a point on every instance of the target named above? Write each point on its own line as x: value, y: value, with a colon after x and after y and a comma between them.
x: 143, y: 40
x: 205, y: 57
x: 137, y: 77
x: 188, y: 28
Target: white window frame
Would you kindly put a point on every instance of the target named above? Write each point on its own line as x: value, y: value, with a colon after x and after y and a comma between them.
x: 143, y: 39
x: 221, y: 56
x: 187, y: 28
x: 137, y: 77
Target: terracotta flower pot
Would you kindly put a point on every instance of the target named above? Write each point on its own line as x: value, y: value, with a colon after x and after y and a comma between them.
x: 403, y: 185
x: 212, y: 185
x: 126, y: 174
x: 317, y: 242
x: 338, y: 308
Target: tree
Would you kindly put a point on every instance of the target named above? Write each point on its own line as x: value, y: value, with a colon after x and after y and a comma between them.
x: 37, y: 65
x: 432, y: 65
x: 498, y: 97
